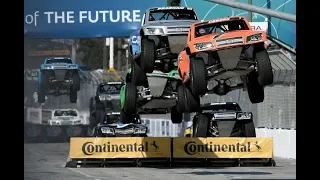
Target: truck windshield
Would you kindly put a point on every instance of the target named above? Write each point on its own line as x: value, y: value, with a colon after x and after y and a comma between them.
x: 52, y: 61
x: 172, y: 14
x: 65, y: 113
x: 220, y: 27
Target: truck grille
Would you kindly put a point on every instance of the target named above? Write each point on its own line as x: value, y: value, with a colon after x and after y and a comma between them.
x: 225, y: 115
x: 178, y: 30
x: 229, y: 41
x: 124, y: 131
x: 60, y: 66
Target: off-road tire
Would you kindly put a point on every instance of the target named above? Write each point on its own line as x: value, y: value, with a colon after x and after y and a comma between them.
x: 264, y: 66
x: 138, y: 77
x: 130, y: 99
x: 148, y: 55
x: 100, y: 112
x: 198, y: 81
x: 73, y: 96
x: 125, y: 118
x: 201, y: 126
x: 176, y: 117
x: 181, y: 102
x: 192, y: 103
x: 76, y: 81
x: 249, y: 129
x: 44, y: 83
x: 255, y: 89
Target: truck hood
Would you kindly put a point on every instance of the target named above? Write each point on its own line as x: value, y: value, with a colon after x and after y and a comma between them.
x: 216, y: 36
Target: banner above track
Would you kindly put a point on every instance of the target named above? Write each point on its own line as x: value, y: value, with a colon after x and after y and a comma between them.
x: 84, y: 18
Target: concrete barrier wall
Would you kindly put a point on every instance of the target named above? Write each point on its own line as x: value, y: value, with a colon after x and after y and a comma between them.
x: 284, y: 141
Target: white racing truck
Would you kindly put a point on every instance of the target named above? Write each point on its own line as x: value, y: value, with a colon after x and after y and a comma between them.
x: 163, y: 34
x: 61, y: 117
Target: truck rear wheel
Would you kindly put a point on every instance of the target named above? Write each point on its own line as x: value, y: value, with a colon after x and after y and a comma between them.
x: 138, y: 77
x: 264, y: 66
x: 76, y: 81
x: 249, y: 129
x: 130, y: 99
x: 42, y: 87
x: 255, y: 89
x: 148, y: 54
x: 176, y: 117
x: 181, y: 102
x: 201, y: 126
x: 192, y: 102
x: 73, y: 96
x: 198, y: 81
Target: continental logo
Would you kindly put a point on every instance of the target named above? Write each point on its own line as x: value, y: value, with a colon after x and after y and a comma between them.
x: 89, y: 148
x: 192, y: 148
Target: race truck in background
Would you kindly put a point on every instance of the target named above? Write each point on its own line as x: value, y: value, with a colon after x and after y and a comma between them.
x: 162, y: 35
x: 118, y: 124
x: 157, y: 95
x: 58, y: 117
x: 221, y: 120
x: 222, y: 49
x: 58, y: 76
x: 107, y: 98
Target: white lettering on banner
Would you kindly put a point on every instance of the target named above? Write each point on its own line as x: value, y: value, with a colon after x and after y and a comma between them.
x: 68, y: 17
x: 31, y: 19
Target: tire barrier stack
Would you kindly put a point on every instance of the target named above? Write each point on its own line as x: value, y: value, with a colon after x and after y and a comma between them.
x: 40, y: 133
x: 169, y: 152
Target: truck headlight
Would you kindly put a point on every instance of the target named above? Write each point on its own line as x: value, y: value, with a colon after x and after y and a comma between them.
x: 254, y: 38
x: 73, y: 67
x: 107, y: 130
x: 244, y: 115
x: 77, y: 122
x: 104, y: 97
x: 140, y: 130
x: 47, y: 67
x: 155, y: 31
x: 202, y: 46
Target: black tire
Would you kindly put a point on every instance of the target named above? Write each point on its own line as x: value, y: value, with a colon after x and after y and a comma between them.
x: 130, y: 99
x: 192, y: 103
x: 76, y: 81
x: 43, y: 87
x: 92, y: 104
x: 255, y: 89
x: 264, y: 66
x: 138, y: 77
x: 125, y: 118
x: 201, y: 126
x: 148, y: 55
x: 198, y: 81
x: 73, y: 96
x: 176, y: 117
x: 249, y: 129
x: 181, y: 102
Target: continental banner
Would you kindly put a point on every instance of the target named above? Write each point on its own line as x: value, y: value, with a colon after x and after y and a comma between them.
x: 126, y: 147
x: 222, y: 147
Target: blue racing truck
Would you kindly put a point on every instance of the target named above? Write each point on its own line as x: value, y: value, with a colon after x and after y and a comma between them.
x: 58, y: 76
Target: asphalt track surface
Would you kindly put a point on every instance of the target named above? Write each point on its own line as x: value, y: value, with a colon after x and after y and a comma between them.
x: 46, y: 161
